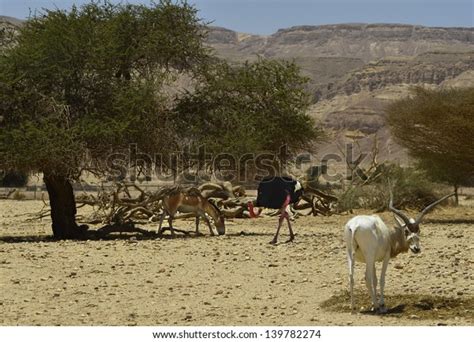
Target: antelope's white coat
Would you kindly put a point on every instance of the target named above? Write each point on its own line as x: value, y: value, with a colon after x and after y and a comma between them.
x: 371, y: 232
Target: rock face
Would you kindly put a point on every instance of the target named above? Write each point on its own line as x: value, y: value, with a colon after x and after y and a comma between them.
x: 10, y: 20
x: 364, y: 41
x: 220, y: 35
x: 427, y: 68
x: 347, y: 58
x: 356, y: 70
x: 370, y: 42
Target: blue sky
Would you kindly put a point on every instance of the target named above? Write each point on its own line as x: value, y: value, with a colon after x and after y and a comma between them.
x: 266, y: 16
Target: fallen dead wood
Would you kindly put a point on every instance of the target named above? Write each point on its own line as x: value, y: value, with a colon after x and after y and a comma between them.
x: 119, y: 205
x: 6, y: 195
x: 127, y: 203
x: 223, y: 190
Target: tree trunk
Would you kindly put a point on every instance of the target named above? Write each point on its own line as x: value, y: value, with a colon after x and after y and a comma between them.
x: 63, y: 207
x: 456, y: 194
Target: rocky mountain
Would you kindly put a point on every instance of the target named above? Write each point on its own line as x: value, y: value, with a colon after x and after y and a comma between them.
x: 10, y: 20
x: 364, y: 41
x: 357, y: 69
x: 339, y: 57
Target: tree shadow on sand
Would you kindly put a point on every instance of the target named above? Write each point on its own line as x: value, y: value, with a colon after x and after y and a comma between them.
x: 451, y: 220
x: 127, y: 233
x: 405, y: 305
x: 109, y: 233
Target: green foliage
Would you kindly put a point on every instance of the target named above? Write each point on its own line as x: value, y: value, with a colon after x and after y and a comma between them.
x: 77, y: 85
x: 255, y: 107
x: 13, y: 179
x: 437, y: 126
x: 350, y: 198
x: 412, y: 189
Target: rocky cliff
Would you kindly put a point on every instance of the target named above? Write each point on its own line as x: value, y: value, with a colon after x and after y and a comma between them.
x: 428, y: 68
x: 356, y: 70
x: 365, y: 41
x: 347, y: 58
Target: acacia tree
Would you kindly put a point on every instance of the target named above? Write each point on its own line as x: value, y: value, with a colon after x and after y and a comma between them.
x: 249, y: 108
x: 436, y: 126
x: 77, y: 85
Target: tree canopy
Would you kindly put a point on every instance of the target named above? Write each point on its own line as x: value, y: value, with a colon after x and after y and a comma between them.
x: 436, y: 126
x: 77, y: 86
x: 254, y: 107
x: 90, y: 81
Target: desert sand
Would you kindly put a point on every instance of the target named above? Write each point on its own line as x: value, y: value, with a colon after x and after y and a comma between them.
x: 236, y: 279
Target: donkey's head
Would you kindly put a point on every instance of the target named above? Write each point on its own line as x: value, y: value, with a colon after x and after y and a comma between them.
x: 219, y: 219
x: 220, y: 224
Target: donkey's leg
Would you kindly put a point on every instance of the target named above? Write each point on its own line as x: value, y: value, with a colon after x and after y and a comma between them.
x: 208, y: 224
x: 159, y: 230
x: 170, y: 222
x: 197, y: 224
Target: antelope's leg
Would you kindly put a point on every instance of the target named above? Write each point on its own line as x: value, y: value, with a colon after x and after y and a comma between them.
x: 350, y: 248
x: 374, y: 281
x: 350, y: 260
x: 369, y: 276
x: 382, y: 283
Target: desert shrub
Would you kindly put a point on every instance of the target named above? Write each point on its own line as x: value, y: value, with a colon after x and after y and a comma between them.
x: 13, y: 179
x: 432, y: 126
x: 349, y: 199
x: 412, y: 189
x: 18, y: 196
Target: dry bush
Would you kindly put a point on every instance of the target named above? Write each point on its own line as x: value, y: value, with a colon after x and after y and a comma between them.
x: 18, y: 196
x: 411, y: 188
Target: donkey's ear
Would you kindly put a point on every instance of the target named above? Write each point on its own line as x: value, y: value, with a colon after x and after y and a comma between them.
x: 400, y: 222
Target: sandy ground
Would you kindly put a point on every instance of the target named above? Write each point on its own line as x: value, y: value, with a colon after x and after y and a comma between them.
x: 236, y: 279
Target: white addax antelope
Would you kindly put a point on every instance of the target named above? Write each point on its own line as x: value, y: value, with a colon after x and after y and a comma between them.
x: 369, y: 240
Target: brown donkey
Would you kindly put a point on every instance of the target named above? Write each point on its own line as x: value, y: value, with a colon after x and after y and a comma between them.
x: 191, y: 202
